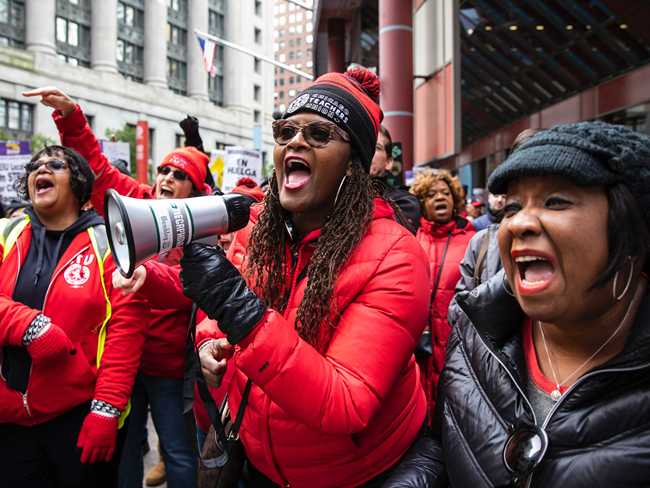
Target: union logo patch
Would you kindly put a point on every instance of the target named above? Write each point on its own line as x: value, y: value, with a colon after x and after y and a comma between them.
x: 76, y: 275
x: 297, y: 103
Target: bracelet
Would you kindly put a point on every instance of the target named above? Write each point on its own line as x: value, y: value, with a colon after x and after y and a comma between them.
x: 35, y: 329
x: 101, y: 407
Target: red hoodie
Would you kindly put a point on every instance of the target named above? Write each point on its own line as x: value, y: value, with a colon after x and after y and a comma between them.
x: 79, y: 308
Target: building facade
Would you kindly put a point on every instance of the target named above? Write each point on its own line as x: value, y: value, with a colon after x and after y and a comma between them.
x: 131, y: 60
x: 461, y: 78
x: 292, y: 44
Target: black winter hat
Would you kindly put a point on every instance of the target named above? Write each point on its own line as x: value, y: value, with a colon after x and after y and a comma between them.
x: 588, y: 153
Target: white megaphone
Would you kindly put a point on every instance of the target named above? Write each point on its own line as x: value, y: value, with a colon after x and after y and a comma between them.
x: 139, y: 229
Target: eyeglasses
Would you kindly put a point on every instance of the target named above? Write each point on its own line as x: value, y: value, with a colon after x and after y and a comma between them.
x: 524, y: 451
x: 54, y: 165
x: 316, y: 134
x: 176, y: 173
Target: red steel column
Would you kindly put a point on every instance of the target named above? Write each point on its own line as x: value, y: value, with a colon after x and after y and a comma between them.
x: 396, y: 72
x: 336, y: 45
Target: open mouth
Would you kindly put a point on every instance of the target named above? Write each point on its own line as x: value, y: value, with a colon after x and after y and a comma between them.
x: 296, y: 173
x: 440, y: 207
x: 534, y: 272
x: 43, y: 185
x: 165, y: 192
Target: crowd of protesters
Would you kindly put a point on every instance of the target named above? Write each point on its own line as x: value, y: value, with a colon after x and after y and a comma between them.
x: 359, y: 334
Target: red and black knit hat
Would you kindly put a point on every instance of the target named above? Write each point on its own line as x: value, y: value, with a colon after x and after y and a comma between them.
x: 351, y: 101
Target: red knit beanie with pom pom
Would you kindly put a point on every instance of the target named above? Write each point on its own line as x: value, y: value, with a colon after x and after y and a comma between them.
x: 350, y: 100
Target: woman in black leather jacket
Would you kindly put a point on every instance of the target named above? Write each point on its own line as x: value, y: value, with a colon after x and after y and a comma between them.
x: 547, y: 376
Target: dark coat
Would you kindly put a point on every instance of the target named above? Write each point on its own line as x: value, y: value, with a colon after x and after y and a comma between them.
x: 599, y: 432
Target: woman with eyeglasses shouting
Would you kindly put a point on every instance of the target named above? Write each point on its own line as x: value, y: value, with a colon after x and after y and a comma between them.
x: 547, y: 376
x: 70, y: 342
x: 181, y: 174
x: 325, y: 310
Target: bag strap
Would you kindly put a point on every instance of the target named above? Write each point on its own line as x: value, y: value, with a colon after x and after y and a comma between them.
x: 439, y: 273
x: 480, y: 257
x: 213, y: 411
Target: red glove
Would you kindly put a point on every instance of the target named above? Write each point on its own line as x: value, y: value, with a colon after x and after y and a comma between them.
x: 53, y: 343
x: 97, y: 438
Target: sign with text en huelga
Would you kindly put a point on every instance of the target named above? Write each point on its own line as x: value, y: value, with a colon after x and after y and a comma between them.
x: 240, y: 162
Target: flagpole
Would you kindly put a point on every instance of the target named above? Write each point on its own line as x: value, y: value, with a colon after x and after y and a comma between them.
x: 237, y: 47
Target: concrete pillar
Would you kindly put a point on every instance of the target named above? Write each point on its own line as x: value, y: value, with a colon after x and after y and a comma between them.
x: 336, y: 45
x: 103, y: 32
x: 155, y: 43
x: 40, y: 34
x: 396, y: 73
x: 197, y: 77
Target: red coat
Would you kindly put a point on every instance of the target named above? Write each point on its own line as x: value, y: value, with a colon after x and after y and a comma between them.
x: 79, y: 309
x: 341, y: 417
x: 164, y: 348
x: 433, y: 238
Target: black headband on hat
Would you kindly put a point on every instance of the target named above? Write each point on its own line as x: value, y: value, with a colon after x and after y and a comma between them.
x: 343, y: 109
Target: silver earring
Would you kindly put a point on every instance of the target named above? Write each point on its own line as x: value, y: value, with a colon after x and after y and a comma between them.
x: 506, y: 286
x: 336, y: 198
x: 627, y: 284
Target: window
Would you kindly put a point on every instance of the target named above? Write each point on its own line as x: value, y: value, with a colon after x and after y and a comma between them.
x: 309, y: 39
x: 292, y: 93
x: 12, y: 23
x: 216, y: 21
x: 258, y: 7
x: 177, y: 46
x: 178, y: 140
x: 257, y: 93
x: 257, y: 65
x: 257, y: 117
x: 130, y: 39
x: 258, y: 35
x: 177, y: 76
x: 291, y: 80
x: 16, y: 118
x: 72, y: 26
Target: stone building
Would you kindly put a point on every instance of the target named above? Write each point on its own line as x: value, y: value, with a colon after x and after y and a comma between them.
x: 130, y: 60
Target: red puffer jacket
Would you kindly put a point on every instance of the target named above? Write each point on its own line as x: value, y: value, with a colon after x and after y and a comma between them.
x: 433, y: 238
x: 79, y: 308
x: 164, y: 348
x: 341, y: 417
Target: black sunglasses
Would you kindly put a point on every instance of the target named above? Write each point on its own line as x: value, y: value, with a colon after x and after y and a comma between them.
x: 316, y: 134
x: 524, y: 451
x: 54, y: 165
x: 176, y: 173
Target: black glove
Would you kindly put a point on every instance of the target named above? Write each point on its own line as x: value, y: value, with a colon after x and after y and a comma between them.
x: 217, y: 287
x: 190, y: 126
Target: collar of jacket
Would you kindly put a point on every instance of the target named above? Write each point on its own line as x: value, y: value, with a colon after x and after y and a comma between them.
x: 497, y: 317
x: 381, y: 210
x: 456, y: 225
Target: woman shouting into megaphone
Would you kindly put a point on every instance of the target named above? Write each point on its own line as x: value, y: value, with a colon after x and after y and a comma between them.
x: 327, y: 306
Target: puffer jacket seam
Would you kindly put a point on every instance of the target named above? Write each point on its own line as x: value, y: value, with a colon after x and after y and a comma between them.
x: 470, y: 369
x: 465, y: 446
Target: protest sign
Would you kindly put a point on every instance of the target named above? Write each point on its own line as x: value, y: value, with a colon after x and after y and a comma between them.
x: 14, y: 155
x: 217, y: 157
x: 117, y: 150
x: 240, y: 162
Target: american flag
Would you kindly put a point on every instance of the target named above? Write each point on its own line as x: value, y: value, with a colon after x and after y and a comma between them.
x: 209, y: 49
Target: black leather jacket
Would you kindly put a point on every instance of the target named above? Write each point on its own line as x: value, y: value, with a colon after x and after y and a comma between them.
x: 599, y: 432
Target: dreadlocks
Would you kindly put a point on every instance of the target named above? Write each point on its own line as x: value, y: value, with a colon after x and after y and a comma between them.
x: 269, y: 261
